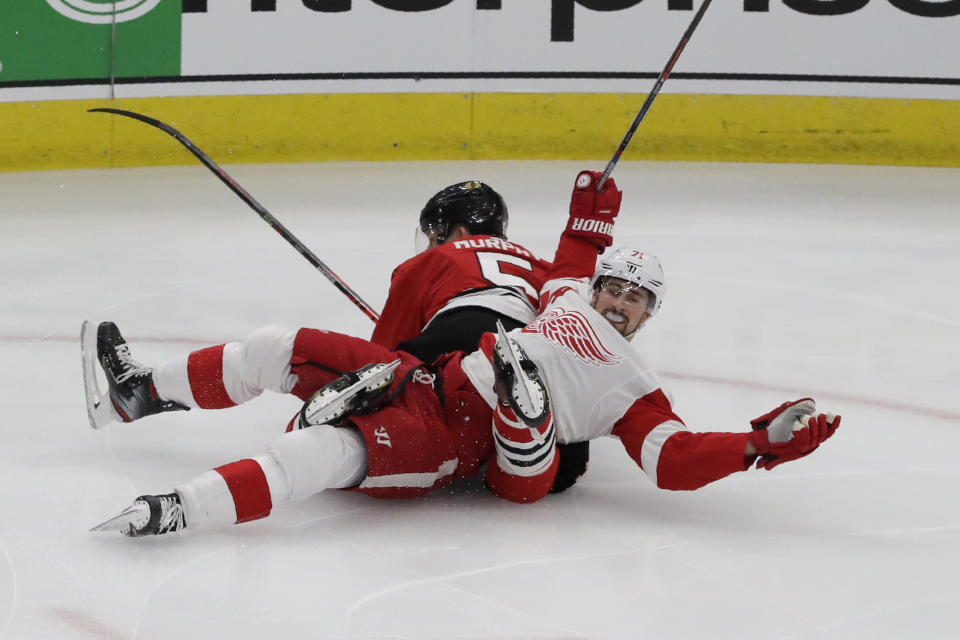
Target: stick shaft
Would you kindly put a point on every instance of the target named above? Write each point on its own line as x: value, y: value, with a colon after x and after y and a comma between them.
x: 653, y: 93
x: 267, y: 217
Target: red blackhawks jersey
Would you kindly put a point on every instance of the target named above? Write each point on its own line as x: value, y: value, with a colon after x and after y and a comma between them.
x: 478, y: 271
x: 600, y: 385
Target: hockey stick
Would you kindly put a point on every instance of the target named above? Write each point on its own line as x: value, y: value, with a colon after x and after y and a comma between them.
x: 256, y: 206
x: 653, y: 94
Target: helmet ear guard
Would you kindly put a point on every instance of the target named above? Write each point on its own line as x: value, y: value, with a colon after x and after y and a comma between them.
x: 636, y: 267
x: 472, y: 204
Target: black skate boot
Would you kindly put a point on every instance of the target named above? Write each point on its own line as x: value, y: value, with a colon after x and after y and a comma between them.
x: 517, y: 381
x: 132, y: 393
x: 148, y: 516
x: 356, y: 392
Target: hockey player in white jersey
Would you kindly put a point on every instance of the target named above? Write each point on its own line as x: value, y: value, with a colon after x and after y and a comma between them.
x: 580, y: 343
x: 569, y: 376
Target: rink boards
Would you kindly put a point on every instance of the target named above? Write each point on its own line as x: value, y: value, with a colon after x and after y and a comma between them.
x: 60, y: 134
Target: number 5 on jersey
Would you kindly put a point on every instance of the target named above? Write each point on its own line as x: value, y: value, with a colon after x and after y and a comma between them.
x: 492, y: 266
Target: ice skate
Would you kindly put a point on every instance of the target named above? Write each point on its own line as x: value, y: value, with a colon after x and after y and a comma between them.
x: 148, y: 516
x: 354, y: 393
x: 131, y: 393
x: 518, y: 383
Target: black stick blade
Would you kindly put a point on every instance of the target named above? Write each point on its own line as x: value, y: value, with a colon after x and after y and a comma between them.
x: 135, y: 116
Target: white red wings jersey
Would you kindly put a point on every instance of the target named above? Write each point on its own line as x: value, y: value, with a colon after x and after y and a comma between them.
x: 478, y: 271
x: 575, y: 348
x: 600, y: 385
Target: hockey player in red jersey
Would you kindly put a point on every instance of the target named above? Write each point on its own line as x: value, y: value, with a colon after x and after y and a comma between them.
x: 467, y: 278
x: 406, y: 435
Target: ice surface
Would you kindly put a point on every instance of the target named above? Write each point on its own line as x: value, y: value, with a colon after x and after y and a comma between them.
x: 784, y: 281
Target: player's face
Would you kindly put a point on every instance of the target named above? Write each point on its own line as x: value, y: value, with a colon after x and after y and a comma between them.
x: 622, y: 304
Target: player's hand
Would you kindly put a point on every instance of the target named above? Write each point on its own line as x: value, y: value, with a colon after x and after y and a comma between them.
x: 791, y: 431
x: 591, y: 211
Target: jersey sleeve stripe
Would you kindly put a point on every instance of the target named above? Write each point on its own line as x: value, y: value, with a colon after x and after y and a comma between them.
x: 653, y: 444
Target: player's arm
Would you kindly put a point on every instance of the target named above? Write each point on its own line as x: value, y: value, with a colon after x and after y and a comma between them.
x: 670, y: 455
x: 678, y: 459
x: 589, y: 228
x: 402, y: 316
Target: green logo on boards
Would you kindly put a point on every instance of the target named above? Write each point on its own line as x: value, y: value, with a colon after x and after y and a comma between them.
x: 89, y: 39
x: 103, y: 12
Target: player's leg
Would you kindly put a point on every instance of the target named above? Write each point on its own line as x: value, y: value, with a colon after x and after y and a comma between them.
x: 132, y: 390
x: 526, y: 462
x: 232, y: 373
x: 320, y: 357
x: 229, y: 374
x: 409, y: 452
x: 294, y: 466
x: 212, y: 378
x: 297, y: 361
x: 403, y: 450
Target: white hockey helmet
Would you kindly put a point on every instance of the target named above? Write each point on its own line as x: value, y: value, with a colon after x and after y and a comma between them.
x: 637, y: 267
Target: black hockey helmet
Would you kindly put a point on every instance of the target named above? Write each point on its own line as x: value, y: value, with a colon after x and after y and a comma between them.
x: 473, y: 204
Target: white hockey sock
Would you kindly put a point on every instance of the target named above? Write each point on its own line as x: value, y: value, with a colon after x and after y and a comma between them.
x: 296, y: 465
x: 320, y: 457
x: 172, y: 383
x: 230, y: 374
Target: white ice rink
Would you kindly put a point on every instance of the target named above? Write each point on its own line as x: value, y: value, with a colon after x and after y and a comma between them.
x: 784, y: 281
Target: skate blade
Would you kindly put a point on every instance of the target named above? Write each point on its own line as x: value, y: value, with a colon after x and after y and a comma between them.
x: 525, y: 388
x: 100, y: 411
x: 122, y: 522
x: 321, y: 411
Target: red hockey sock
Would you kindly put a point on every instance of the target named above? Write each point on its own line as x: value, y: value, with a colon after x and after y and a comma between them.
x: 248, y: 486
x: 205, y: 371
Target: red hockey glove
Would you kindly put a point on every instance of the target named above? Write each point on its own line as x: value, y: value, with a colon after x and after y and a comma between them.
x: 791, y: 431
x: 591, y: 211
